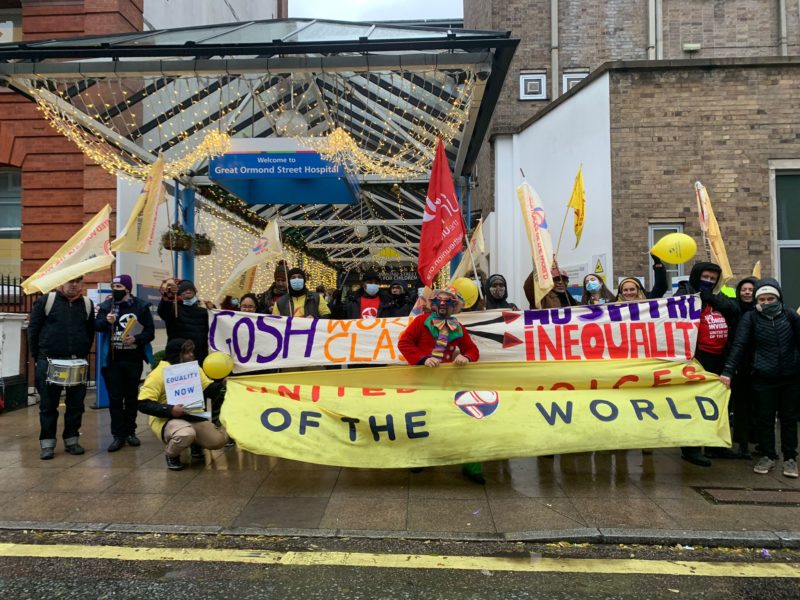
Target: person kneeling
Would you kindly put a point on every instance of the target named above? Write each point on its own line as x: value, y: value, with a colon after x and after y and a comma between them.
x: 176, y: 427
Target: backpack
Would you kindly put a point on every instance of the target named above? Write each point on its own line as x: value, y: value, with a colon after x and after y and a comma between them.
x: 51, y: 300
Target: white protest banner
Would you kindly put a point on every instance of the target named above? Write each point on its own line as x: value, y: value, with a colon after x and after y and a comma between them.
x: 183, y: 385
x: 665, y: 329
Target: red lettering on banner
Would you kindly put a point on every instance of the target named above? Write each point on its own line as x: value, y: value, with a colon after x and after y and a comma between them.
x: 315, y: 393
x: 340, y: 392
x: 639, y: 338
x: 593, y: 384
x: 373, y: 392
x: 686, y: 328
x: 405, y: 391
x: 625, y: 379
x: 617, y: 350
x: 659, y: 379
x: 530, y: 348
x: 285, y: 392
x: 691, y: 374
x: 592, y: 341
x: 670, y: 340
x: 653, y: 336
x: 569, y: 342
x: 562, y: 385
x: 545, y: 344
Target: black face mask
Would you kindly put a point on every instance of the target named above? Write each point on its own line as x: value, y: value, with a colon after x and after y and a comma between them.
x: 118, y: 295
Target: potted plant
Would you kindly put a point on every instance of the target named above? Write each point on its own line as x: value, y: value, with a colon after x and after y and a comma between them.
x: 176, y: 238
x: 202, y: 244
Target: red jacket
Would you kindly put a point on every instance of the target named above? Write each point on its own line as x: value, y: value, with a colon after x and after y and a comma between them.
x: 418, y: 341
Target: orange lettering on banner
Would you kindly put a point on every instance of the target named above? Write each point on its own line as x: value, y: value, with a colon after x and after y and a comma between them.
x: 659, y: 379
x: 367, y: 324
x: 335, y: 324
x: 353, y: 357
x: 373, y: 392
x: 691, y: 374
x: 384, y: 343
x: 285, y: 392
x: 326, y: 349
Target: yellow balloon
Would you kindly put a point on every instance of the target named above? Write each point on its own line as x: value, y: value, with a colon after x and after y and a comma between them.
x: 468, y: 290
x: 675, y: 248
x: 218, y: 365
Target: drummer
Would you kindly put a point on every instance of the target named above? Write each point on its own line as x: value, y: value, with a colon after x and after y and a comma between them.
x: 61, y: 327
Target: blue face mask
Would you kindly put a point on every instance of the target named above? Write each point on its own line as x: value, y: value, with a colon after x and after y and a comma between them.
x: 706, y: 286
x: 371, y: 288
x: 593, y: 286
x: 191, y: 301
x: 297, y: 284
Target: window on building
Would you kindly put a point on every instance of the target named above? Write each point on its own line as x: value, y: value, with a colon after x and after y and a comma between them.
x: 10, y: 24
x: 656, y: 231
x: 533, y: 85
x: 787, y: 209
x: 10, y: 222
x: 572, y: 78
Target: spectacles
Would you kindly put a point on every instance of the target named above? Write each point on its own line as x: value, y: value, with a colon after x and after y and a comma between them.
x: 437, y: 302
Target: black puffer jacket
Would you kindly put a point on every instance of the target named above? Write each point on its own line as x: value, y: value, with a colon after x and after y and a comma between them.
x: 66, y: 332
x: 352, y: 308
x: 190, y: 324
x: 773, y: 343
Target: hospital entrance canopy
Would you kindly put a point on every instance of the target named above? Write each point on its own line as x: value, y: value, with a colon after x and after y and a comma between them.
x: 372, y: 98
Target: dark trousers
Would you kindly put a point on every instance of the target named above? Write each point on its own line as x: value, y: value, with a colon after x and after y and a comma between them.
x: 744, y: 410
x: 49, y: 395
x: 713, y: 363
x: 781, y: 400
x: 122, y: 380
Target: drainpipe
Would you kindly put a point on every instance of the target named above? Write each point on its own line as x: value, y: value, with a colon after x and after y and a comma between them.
x: 555, y: 87
x: 659, y: 30
x: 651, y: 30
x: 782, y: 23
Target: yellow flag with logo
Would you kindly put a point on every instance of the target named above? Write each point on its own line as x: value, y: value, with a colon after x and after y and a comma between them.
x: 757, y: 270
x: 541, y: 243
x: 267, y: 247
x: 477, y: 245
x: 577, y: 202
x: 712, y: 233
x: 139, y: 231
x: 87, y: 251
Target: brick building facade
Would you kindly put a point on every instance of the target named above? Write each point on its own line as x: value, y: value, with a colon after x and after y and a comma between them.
x: 61, y: 189
x: 591, y: 33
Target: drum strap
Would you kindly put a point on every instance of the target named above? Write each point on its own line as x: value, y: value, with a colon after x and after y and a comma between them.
x: 51, y: 300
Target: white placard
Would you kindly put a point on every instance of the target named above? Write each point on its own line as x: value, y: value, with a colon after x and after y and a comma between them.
x: 183, y: 385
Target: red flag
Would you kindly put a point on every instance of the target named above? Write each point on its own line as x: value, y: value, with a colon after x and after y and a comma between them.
x: 442, y: 231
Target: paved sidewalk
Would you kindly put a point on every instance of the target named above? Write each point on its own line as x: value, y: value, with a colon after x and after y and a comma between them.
x: 570, y: 496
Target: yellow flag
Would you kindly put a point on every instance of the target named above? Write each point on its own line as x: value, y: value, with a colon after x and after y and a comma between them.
x: 757, y: 270
x: 577, y: 202
x: 712, y: 233
x: 268, y: 246
x: 139, y: 231
x: 477, y: 244
x: 539, y: 238
x: 87, y: 251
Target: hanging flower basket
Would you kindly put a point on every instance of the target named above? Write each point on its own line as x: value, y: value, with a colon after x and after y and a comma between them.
x: 177, y: 239
x: 202, y: 245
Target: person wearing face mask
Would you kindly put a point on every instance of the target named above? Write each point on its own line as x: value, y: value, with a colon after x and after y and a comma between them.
x: 595, y: 291
x: 400, y: 302
x: 369, y: 301
x: 300, y: 302
x: 770, y: 334
x: 128, y: 323
x: 558, y: 297
x: 717, y: 312
x: 436, y: 338
x: 496, y: 294
x: 631, y: 290
x: 184, y: 316
x: 278, y: 289
x: 742, y: 396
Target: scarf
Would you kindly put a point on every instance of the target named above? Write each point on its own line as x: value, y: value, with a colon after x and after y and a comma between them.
x: 445, y: 326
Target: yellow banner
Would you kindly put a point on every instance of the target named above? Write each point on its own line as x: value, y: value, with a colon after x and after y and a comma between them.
x: 538, y: 231
x: 415, y: 416
x: 139, y: 231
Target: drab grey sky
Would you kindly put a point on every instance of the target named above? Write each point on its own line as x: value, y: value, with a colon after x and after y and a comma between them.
x: 376, y: 10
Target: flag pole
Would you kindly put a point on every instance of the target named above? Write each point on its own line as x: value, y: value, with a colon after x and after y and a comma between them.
x: 469, y: 251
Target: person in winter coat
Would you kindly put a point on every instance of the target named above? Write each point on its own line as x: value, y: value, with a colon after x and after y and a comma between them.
x: 173, y: 425
x: 129, y: 325
x: 300, y: 302
x: 368, y: 302
x: 595, y: 291
x: 558, y: 297
x: 274, y: 292
x: 61, y: 327
x: 401, y: 304
x: 631, y: 290
x: 438, y: 337
x: 772, y: 334
x: 718, y: 311
x: 189, y: 321
x: 496, y: 293
x: 742, y: 395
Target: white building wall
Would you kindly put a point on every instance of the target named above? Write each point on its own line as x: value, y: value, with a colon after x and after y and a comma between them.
x: 549, y: 153
x: 169, y: 14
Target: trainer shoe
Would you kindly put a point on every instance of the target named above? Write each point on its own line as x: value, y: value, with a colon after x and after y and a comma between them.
x: 117, y: 444
x: 696, y: 458
x: 765, y: 465
x: 47, y: 453
x: 198, y: 454
x: 133, y: 440
x: 75, y: 449
x: 790, y: 468
x: 174, y: 463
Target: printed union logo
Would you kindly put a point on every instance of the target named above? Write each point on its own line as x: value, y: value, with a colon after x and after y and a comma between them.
x: 477, y: 404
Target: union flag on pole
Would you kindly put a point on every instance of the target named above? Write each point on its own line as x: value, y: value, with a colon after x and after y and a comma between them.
x: 442, y: 231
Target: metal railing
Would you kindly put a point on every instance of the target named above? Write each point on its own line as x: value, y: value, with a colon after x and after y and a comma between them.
x: 12, y: 298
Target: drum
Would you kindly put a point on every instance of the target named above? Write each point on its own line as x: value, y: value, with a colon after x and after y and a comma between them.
x: 67, y: 372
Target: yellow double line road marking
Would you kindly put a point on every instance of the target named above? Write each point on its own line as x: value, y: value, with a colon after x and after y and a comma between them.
x: 608, y: 566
